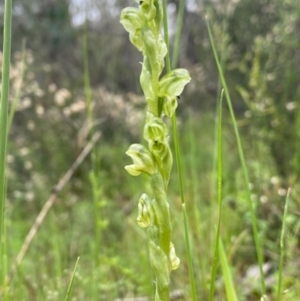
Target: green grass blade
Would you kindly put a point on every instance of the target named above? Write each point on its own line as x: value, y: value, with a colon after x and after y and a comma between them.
x: 220, y: 173
x: 230, y: 290
x: 243, y: 163
x: 166, y: 34
x: 67, y: 298
x: 176, y: 46
x: 86, y: 74
x: 282, y: 251
x: 4, y: 260
x: 178, y: 164
x: 4, y: 107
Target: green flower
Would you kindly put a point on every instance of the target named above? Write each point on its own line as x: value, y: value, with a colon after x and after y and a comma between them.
x: 133, y: 21
x: 155, y: 133
x: 146, y: 216
x: 170, y: 87
x: 143, y: 160
x: 155, y: 129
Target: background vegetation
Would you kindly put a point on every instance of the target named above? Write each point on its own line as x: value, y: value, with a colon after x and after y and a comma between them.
x: 79, y: 76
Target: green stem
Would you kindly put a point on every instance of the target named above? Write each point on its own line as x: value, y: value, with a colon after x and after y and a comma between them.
x: 4, y: 107
x: 177, y: 156
x: 87, y: 84
x: 162, y: 212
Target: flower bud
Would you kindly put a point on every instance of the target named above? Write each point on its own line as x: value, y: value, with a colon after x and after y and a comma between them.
x: 146, y: 216
x: 174, y: 260
x: 148, y: 9
x: 132, y: 19
x: 143, y: 160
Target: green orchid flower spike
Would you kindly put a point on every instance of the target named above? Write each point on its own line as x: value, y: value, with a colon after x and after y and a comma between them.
x: 161, y: 92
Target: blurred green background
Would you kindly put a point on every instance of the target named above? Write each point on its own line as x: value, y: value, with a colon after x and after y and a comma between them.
x: 94, y: 215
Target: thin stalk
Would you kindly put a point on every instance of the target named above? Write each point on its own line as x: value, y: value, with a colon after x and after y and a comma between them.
x: 219, y: 182
x: 4, y: 109
x: 87, y: 84
x: 197, y: 214
x: 282, y: 250
x: 179, y: 23
x: 93, y: 176
x: 177, y: 156
x: 67, y: 298
x: 243, y: 163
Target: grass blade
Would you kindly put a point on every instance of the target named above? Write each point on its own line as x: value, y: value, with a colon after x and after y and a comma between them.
x: 4, y: 108
x: 175, y: 54
x: 282, y: 251
x: 243, y: 163
x: 220, y: 172
x: 71, y: 281
x: 230, y: 290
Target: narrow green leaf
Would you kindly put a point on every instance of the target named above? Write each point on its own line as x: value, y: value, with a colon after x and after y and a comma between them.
x: 220, y: 172
x: 4, y: 107
x: 230, y: 290
x: 282, y: 251
x: 67, y: 298
x: 242, y: 160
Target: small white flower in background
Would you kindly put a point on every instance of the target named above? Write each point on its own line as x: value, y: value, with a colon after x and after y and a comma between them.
x: 290, y: 106
x: 61, y: 96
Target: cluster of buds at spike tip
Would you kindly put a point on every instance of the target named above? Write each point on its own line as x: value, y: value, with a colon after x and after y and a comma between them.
x: 143, y: 25
x: 161, y: 93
